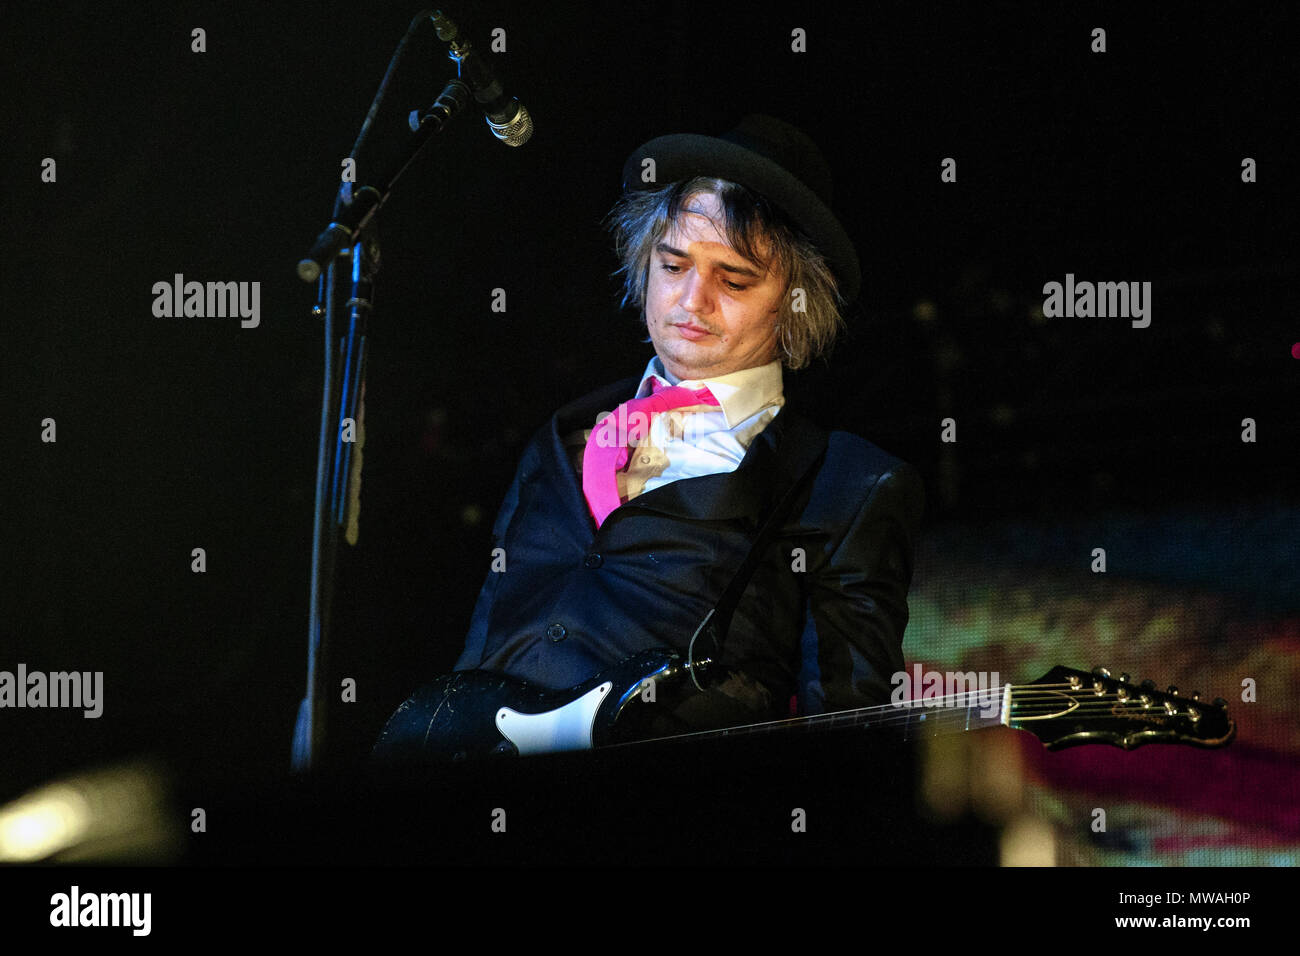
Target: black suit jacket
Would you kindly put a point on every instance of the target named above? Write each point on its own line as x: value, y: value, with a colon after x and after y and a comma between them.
x: 573, y: 599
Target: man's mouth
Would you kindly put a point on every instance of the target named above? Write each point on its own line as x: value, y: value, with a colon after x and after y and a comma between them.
x: 691, y: 331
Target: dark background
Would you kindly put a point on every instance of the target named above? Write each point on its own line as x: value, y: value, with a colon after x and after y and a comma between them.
x: 183, y: 433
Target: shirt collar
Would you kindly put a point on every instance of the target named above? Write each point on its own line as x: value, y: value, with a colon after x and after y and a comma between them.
x: 741, y: 394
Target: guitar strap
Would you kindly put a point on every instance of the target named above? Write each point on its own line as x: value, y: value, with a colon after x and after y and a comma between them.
x: 802, y: 448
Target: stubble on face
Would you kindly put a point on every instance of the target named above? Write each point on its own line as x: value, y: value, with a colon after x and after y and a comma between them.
x: 698, y: 281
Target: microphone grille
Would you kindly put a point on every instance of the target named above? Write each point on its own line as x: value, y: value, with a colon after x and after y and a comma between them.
x: 516, y: 130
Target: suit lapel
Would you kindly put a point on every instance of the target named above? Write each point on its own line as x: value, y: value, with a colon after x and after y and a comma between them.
x: 742, y: 493
x: 580, y: 413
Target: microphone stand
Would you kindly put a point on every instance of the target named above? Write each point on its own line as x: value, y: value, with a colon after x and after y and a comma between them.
x: 349, y: 238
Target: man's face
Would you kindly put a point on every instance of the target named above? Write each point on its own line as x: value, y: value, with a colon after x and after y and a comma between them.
x: 708, y: 310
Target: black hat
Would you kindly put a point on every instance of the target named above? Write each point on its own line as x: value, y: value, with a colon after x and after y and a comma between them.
x: 772, y: 158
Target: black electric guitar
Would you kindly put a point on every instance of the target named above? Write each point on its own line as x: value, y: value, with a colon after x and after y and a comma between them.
x: 471, y: 713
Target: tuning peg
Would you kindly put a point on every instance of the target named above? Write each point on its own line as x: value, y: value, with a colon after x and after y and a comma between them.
x: 1221, y: 703
x: 1124, y: 678
x: 1173, y: 691
x: 1196, y: 695
x: 1148, y: 684
x: 1100, y: 672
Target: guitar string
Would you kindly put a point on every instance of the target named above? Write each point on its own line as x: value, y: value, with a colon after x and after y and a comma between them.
x: 1034, y: 702
x: 919, y: 724
x: 1021, y: 702
x: 1021, y: 694
x: 1090, y: 709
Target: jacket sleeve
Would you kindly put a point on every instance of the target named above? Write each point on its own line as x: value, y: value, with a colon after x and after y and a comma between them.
x: 857, y: 600
x: 472, y: 656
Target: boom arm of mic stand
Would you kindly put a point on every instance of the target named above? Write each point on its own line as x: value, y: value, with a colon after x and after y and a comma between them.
x: 366, y: 200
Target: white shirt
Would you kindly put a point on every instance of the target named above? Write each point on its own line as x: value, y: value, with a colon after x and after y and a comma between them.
x: 696, y: 439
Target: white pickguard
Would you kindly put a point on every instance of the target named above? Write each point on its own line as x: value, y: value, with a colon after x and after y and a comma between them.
x: 565, y: 728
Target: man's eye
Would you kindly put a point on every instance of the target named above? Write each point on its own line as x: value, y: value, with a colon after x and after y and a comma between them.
x: 670, y: 268
x: 735, y: 286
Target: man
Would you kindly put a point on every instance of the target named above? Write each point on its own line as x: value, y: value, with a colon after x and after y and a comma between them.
x: 627, y: 519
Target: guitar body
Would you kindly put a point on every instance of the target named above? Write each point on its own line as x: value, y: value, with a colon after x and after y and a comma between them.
x: 475, y: 713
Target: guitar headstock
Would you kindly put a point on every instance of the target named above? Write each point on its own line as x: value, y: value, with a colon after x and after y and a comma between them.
x: 1065, y: 707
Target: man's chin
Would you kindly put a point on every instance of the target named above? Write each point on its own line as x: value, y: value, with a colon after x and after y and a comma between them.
x: 686, y: 368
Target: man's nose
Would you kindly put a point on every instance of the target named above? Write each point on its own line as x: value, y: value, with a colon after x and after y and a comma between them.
x: 695, y: 298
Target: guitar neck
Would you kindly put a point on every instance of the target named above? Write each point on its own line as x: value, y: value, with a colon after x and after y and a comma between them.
x: 912, y: 719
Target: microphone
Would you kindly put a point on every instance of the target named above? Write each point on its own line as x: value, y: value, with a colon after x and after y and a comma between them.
x: 506, y: 116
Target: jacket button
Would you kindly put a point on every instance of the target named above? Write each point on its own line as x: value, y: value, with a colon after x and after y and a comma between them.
x: 593, y: 560
x: 556, y: 632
